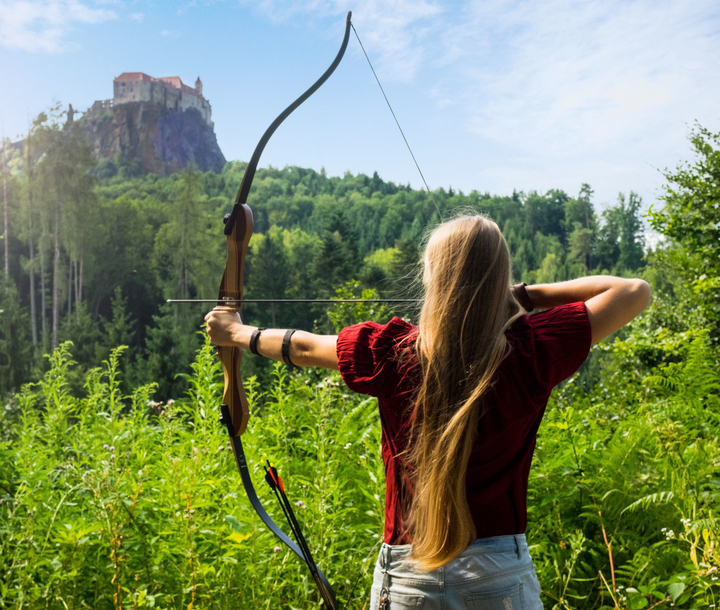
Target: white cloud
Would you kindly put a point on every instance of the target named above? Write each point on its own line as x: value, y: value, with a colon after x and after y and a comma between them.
x: 140, y: 17
x: 571, y: 77
x: 42, y: 26
x: 393, y: 31
x: 559, y: 92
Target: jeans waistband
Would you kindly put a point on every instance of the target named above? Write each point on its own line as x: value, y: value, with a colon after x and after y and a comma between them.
x: 517, y: 543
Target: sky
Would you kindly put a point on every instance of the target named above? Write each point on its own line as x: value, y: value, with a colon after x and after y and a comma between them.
x: 492, y: 95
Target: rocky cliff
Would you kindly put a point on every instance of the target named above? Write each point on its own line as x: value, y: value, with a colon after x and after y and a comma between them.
x: 162, y: 141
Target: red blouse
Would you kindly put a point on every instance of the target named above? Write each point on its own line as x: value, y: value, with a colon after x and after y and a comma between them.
x: 544, y: 349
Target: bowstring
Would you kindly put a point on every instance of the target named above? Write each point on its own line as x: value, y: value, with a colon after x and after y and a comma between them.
x: 402, y: 133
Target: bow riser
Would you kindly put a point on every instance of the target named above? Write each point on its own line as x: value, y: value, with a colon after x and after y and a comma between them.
x: 231, y: 287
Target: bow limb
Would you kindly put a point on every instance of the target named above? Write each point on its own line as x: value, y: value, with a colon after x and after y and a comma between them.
x: 252, y: 165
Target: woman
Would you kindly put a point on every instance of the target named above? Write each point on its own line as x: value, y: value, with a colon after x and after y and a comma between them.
x: 461, y: 396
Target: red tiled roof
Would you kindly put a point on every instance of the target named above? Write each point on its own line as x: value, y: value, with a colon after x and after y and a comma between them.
x: 173, y: 81
x: 134, y: 76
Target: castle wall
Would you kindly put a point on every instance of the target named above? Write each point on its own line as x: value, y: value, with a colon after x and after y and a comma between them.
x: 132, y: 91
x: 100, y: 107
x: 170, y: 92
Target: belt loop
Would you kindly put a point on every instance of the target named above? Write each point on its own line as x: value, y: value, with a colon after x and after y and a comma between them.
x: 517, y: 547
x: 384, y: 592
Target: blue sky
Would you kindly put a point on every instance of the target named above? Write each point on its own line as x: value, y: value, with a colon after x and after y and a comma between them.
x: 493, y: 95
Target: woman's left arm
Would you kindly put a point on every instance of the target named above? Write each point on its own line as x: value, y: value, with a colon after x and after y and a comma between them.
x: 306, y: 349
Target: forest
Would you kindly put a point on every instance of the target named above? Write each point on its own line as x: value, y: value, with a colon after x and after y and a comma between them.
x: 117, y: 487
x: 93, y: 250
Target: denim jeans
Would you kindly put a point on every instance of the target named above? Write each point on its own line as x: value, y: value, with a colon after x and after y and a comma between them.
x: 491, y: 574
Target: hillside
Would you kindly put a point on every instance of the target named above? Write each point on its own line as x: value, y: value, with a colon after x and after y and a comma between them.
x: 160, y: 141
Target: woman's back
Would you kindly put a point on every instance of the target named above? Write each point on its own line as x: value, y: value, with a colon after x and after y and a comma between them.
x: 543, y: 350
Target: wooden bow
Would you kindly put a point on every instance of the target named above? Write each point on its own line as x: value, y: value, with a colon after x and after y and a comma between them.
x: 234, y: 408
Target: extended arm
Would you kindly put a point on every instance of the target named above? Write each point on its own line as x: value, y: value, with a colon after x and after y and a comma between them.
x: 306, y: 349
x: 611, y: 302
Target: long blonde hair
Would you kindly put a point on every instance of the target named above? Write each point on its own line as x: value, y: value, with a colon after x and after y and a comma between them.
x: 468, y: 305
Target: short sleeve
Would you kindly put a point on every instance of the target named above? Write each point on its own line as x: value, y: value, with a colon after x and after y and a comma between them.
x: 367, y: 356
x: 562, y: 337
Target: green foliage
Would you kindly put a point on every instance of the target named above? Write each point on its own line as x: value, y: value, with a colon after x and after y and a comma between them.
x: 624, y: 489
x: 347, y: 314
x: 15, y: 347
x: 690, y: 219
x: 85, y: 228
x: 112, y: 499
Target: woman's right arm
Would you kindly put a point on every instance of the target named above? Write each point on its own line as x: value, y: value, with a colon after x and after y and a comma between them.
x: 611, y: 302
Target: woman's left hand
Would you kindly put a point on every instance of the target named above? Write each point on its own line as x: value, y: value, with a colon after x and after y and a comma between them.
x: 224, y: 326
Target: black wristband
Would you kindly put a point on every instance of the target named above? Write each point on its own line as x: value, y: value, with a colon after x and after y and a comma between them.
x: 522, y: 296
x: 286, y: 347
x: 254, y: 339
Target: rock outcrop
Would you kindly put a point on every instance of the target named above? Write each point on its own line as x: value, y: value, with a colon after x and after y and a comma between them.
x: 161, y: 140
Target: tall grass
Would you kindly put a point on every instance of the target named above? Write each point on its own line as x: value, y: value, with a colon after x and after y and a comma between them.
x: 114, y: 501
x: 117, y: 501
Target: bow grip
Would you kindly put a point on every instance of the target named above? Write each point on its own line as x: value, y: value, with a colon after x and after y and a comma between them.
x: 234, y: 398
x: 231, y: 287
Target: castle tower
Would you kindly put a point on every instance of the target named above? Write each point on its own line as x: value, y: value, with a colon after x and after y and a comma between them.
x: 198, y: 86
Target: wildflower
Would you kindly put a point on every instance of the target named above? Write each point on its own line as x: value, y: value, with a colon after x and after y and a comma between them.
x: 106, y: 446
x: 276, y: 549
x: 300, y: 503
x: 112, y: 447
x: 112, y: 456
x: 347, y: 446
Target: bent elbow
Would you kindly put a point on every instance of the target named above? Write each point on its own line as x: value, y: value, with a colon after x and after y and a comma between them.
x: 643, y: 293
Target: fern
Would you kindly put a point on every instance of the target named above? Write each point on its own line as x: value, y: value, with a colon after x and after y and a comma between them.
x: 663, y: 497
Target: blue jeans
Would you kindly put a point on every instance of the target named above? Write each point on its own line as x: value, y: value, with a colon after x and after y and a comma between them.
x: 491, y: 574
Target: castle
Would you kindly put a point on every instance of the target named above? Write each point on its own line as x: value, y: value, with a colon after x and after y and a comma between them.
x: 168, y: 91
